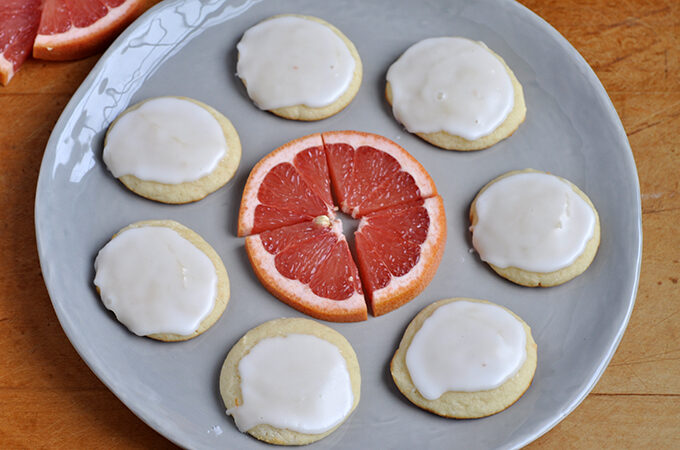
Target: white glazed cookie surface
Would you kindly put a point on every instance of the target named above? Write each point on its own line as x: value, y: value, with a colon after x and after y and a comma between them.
x: 172, y: 149
x: 534, y: 228
x: 455, y: 93
x: 465, y: 346
x: 513, y: 367
x: 298, y: 67
x: 162, y: 280
x: 312, y: 362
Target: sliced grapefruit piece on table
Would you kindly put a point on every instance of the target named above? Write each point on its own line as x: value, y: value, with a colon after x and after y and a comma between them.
x: 73, y: 29
x: 309, y: 267
x: 19, y: 21
x: 288, y: 186
x: 399, y: 250
x: 370, y: 172
x: 296, y: 246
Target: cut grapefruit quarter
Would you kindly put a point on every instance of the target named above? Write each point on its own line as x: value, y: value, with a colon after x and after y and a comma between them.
x: 296, y: 246
x: 370, y: 172
x: 19, y: 21
x: 309, y: 267
x: 399, y: 250
x: 73, y: 29
x: 288, y: 186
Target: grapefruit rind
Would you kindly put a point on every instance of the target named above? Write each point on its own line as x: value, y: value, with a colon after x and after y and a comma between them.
x: 6, y: 70
x: 79, y: 43
x: 284, y: 154
x: 401, y: 290
x: 299, y: 295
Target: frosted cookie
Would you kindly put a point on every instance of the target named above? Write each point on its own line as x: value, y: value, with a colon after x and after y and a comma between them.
x: 464, y: 358
x: 455, y: 93
x: 298, y: 67
x: 172, y: 149
x: 290, y: 381
x: 534, y: 228
x: 162, y: 280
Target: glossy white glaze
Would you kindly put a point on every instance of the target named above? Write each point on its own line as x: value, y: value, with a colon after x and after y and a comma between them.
x: 465, y: 346
x: 289, y: 60
x: 450, y: 84
x: 532, y: 221
x: 155, y: 281
x: 297, y: 382
x: 166, y: 139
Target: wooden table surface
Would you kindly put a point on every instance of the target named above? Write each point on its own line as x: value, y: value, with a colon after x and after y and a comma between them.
x: 49, y: 397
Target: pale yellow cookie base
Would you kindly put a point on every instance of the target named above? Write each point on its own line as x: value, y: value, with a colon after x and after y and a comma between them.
x: 463, y: 405
x: 308, y: 113
x: 448, y: 141
x: 230, y: 380
x: 190, y: 191
x: 546, y: 279
x: 223, y: 292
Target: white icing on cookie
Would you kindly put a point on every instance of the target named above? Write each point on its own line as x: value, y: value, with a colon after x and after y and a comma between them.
x: 450, y: 84
x: 298, y: 382
x: 155, y: 281
x: 532, y: 221
x: 289, y: 61
x: 465, y: 346
x: 167, y: 140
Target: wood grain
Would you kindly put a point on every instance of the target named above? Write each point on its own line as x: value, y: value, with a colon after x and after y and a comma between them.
x: 50, y: 399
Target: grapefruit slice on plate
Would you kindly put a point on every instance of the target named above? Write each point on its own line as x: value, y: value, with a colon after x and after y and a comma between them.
x: 309, y: 267
x: 295, y: 243
x: 288, y: 186
x: 370, y: 172
x: 73, y: 29
x: 399, y: 250
x: 19, y: 21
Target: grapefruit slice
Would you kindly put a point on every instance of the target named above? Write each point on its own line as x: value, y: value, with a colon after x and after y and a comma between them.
x: 19, y: 21
x: 370, y: 172
x: 73, y: 29
x: 309, y: 267
x: 399, y: 250
x: 296, y: 246
x: 288, y: 186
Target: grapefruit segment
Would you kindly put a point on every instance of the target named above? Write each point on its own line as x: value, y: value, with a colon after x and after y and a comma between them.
x: 286, y: 187
x: 19, y: 21
x: 297, y: 248
x: 370, y: 172
x: 73, y: 29
x: 309, y: 267
x: 399, y: 250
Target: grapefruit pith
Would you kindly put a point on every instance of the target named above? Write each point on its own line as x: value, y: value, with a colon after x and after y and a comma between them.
x: 295, y: 243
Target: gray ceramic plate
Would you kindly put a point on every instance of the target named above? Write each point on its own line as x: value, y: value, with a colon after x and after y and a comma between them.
x: 188, y: 48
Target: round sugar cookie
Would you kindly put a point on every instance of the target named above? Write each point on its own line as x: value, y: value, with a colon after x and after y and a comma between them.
x: 222, y: 290
x: 543, y: 278
x: 231, y: 382
x: 160, y: 133
x: 276, y: 81
x: 432, y: 94
x: 463, y: 404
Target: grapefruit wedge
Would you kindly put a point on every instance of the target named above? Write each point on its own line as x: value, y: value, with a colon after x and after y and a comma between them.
x: 19, y: 21
x: 295, y: 242
x: 60, y: 30
x: 74, y: 29
x: 309, y: 267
